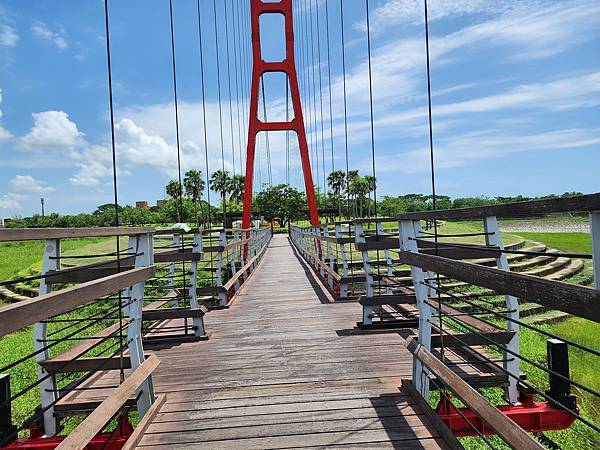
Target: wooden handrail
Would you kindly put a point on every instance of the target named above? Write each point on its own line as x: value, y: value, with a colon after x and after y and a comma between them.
x: 508, y: 430
x: 22, y: 314
x: 590, y: 202
x: 577, y: 300
x: 34, y: 234
x: 97, y: 420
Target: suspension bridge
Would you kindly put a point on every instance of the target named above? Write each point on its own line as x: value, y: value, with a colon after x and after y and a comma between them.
x: 379, y: 332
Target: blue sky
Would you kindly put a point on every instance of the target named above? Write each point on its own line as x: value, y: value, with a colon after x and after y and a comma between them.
x: 516, y: 103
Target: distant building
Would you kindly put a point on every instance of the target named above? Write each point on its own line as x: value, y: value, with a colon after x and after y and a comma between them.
x: 160, y: 203
x: 141, y: 205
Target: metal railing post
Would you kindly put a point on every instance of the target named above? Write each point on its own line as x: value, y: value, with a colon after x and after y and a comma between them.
x: 142, y: 246
x: 388, y: 260
x: 176, y: 244
x: 359, y: 238
x: 197, y: 249
x: 343, y: 285
x: 234, y: 253
x: 408, y: 230
x: 222, y: 243
x: 330, y: 258
x: 48, y: 391
x: 511, y: 363
x: 595, y: 232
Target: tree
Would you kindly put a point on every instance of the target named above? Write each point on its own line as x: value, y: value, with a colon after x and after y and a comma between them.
x: 281, y: 203
x: 173, y: 189
x: 360, y: 188
x: 193, y: 184
x: 220, y: 182
x: 337, y: 181
x: 194, y: 188
x: 236, y: 188
x: 371, y: 182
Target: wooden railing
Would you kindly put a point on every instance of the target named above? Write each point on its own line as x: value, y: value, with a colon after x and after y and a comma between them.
x: 162, y: 279
x: 68, y: 313
x: 416, y: 279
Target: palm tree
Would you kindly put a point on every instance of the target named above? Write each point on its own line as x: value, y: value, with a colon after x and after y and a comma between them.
x: 361, y: 188
x: 351, y: 179
x: 372, y: 183
x: 236, y: 188
x: 336, y: 181
x: 220, y: 182
x: 173, y: 189
x: 193, y: 184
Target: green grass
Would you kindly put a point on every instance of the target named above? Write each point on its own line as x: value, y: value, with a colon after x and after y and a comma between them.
x: 567, y: 242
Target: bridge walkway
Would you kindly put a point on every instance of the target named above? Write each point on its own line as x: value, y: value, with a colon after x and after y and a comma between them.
x: 285, y: 368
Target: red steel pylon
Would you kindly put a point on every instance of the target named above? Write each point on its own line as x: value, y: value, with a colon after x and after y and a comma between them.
x: 260, y: 67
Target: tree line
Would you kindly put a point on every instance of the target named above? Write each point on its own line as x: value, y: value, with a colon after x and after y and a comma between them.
x: 350, y: 195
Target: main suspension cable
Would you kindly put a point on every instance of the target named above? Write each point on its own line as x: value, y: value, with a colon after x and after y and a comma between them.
x: 329, y: 82
x: 345, y: 107
x: 229, y: 87
x: 115, y: 186
x: 321, y: 100
x: 202, y: 87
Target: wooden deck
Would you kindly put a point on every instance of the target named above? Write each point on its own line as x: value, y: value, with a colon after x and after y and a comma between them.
x: 284, y: 368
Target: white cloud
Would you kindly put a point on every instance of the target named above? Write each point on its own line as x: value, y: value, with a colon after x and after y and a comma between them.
x: 26, y: 183
x: 10, y: 201
x: 8, y: 36
x: 53, y: 129
x: 90, y: 173
x: 459, y: 150
x: 43, y: 32
x: 532, y: 31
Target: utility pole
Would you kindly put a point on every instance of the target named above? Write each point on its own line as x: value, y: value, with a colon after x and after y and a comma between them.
x: 42, y: 202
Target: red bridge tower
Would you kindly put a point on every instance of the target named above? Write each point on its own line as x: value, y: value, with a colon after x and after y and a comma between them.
x: 260, y: 67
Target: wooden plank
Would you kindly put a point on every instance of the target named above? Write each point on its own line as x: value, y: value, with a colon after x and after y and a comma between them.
x: 440, y: 426
x: 471, y: 339
x: 177, y: 255
x: 19, y: 315
x: 579, y: 301
x: 142, y: 427
x: 590, y: 202
x: 512, y: 434
x: 95, y: 422
x: 32, y: 234
x: 91, y: 364
x: 84, y: 274
x: 173, y: 313
x: 474, y: 252
x: 396, y: 299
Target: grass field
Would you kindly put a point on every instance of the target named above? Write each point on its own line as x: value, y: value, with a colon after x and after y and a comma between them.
x: 567, y: 242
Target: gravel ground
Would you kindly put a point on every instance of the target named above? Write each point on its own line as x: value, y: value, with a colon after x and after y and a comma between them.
x: 546, y: 227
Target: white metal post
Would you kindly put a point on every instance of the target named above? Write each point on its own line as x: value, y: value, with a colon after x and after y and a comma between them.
x: 511, y: 364
x: 330, y: 258
x: 359, y: 238
x: 222, y: 244
x: 595, y: 232
x: 409, y: 229
x: 388, y: 260
x: 142, y: 245
x: 192, y: 292
x: 319, y: 253
x: 176, y: 244
x: 234, y: 253
x: 48, y: 393
x: 343, y: 285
